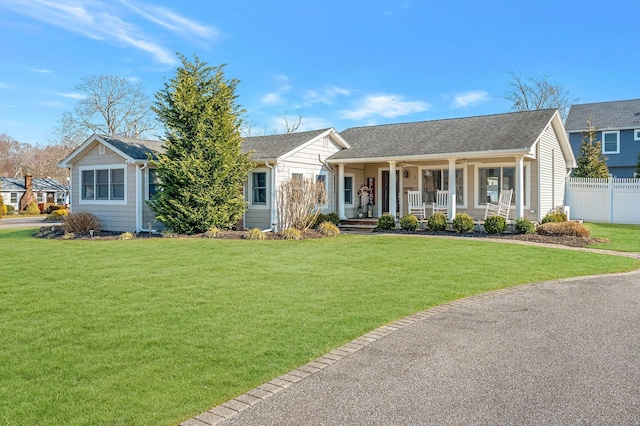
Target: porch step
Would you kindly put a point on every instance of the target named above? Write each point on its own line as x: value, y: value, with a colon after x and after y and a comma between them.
x: 359, y: 225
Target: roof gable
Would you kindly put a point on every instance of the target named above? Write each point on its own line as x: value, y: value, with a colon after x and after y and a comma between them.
x: 509, y: 132
x: 280, y: 146
x: 604, y: 115
x: 132, y: 150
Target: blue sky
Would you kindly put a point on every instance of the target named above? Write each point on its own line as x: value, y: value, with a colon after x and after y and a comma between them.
x: 336, y: 63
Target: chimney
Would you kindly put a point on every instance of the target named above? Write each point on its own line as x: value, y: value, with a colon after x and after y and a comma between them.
x: 27, y: 197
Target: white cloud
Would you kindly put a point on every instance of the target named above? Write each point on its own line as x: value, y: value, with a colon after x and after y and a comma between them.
x: 468, y: 98
x: 70, y: 95
x: 325, y: 96
x: 100, y: 20
x: 272, y: 98
x: 52, y: 104
x: 4, y: 86
x: 385, y: 105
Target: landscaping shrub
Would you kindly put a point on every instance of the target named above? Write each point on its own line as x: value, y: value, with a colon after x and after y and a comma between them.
x: 409, y: 222
x: 81, y: 223
x: 10, y: 210
x: 32, y: 208
x: 437, y: 222
x: 555, y: 216
x: 56, y: 215
x: 212, y: 232
x: 462, y: 223
x: 3, y: 207
x: 574, y: 229
x: 525, y: 226
x: 54, y: 207
x: 127, y: 236
x: 386, y: 222
x: 68, y: 236
x: 328, y: 229
x: 255, y: 234
x: 329, y: 217
x: 495, y: 224
x: 291, y: 234
x: 168, y: 233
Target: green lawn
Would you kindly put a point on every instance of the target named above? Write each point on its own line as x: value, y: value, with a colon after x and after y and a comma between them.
x: 156, y: 331
x: 623, y: 237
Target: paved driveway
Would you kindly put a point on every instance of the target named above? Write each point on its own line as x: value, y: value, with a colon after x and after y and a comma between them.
x: 25, y: 222
x: 562, y: 352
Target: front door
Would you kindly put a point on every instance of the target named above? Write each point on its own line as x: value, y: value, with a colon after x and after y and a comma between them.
x: 385, y: 191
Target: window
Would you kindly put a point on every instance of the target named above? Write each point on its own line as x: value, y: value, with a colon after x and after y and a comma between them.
x: 348, y: 189
x: 432, y: 180
x: 40, y: 197
x: 60, y: 198
x: 610, y: 142
x: 297, y: 176
x: 492, y: 180
x: 103, y: 184
x: 636, y: 135
x: 14, y: 198
x: 322, y: 179
x: 259, y: 186
x: 153, y: 182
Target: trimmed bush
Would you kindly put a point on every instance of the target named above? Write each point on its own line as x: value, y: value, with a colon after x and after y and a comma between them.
x: 573, y: 229
x: 386, y: 222
x: 68, y: 236
x: 291, y: 234
x: 329, y: 217
x: 32, y: 208
x: 462, y: 223
x: 328, y: 229
x: 54, y: 207
x: 525, y: 226
x: 168, y: 233
x: 212, y: 232
x: 3, y: 208
x: 555, y: 217
x: 81, y: 223
x: 127, y: 236
x: 254, y: 234
x: 56, y: 215
x: 437, y: 222
x: 10, y: 210
x: 495, y: 224
x: 409, y: 222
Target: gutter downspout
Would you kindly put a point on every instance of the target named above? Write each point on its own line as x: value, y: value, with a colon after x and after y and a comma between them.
x: 139, y: 196
x: 333, y: 173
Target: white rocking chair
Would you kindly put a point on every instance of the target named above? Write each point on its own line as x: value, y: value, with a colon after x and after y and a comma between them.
x: 442, y: 202
x: 416, y: 206
x: 502, y: 208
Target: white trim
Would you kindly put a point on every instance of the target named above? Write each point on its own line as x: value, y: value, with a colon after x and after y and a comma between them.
x: 465, y: 187
x: 604, y: 145
x: 324, y: 173
x: 514, y: 166
x: 267, y: 204
x: 109, y: 167
x: 636, y: 134
x: 331, y: 132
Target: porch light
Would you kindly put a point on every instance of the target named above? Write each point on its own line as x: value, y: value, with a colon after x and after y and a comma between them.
x: 369, y: 209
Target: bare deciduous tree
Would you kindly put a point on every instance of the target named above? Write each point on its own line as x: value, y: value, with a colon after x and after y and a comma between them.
x: 18, y: 159
x: 291, y: 126
x: 112, y: 106
x: 300, y: 202
x: 534, y: 94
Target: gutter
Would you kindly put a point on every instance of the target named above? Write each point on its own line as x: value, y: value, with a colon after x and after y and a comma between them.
x: 273, y: 198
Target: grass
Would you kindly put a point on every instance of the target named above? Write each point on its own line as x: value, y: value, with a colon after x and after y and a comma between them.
x: 154, y: 331
x: 623, y: 237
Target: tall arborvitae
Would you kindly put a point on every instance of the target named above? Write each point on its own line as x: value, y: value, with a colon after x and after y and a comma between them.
x: 591, y: 162
x: 202, y: 171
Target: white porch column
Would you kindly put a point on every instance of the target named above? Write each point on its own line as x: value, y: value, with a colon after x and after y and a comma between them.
x: 452, y: 188
x: 341, y: 212
x: 393, y: 195
x: 519, y: 187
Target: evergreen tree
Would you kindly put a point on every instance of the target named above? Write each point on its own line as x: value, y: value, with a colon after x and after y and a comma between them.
x: 591, y: 162
x: 202, y: 171
x: 638, y: 167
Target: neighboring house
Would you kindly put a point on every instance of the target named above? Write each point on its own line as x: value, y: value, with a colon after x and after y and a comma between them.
x: 618, y: 125
x: 45, y: 191
x: 525, y: 151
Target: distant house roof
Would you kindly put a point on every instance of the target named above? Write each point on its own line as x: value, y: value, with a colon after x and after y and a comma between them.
x: 604, y: 115
x: 516, y: 131
x: 38, y: 184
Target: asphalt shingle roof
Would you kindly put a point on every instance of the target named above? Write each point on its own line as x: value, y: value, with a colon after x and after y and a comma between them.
x: 38, y: 184
x: 604, y: 115
x: 518, y: 130
x: 273, y: 146
x: 135, y: 148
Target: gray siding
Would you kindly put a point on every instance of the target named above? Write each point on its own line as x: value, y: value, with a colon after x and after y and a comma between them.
x: 552, y: 172
x: 620, y: 165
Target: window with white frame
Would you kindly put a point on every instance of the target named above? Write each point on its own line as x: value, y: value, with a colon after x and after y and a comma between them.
x: 106, y: 184
x: 152, y: 183
x: 438, y: 179
x: 636, y: 135
x: 60, y: 198
x: 322, y: 179
x: 348, y: 189
x: 611, y: 142
x: 491, y: 180
x: 297, y: 177
x: 259, y: 188
x: 14, y: 198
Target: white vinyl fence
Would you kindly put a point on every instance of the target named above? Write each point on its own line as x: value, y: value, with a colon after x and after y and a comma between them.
x: 610, y: 200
